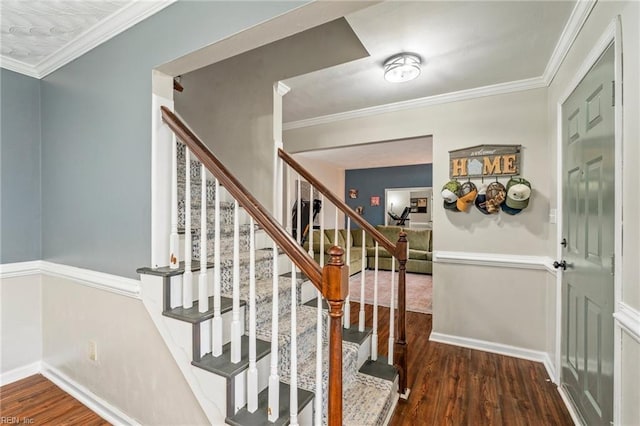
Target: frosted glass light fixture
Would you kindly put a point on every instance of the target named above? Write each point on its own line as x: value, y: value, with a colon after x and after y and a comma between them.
x: 402, y: 67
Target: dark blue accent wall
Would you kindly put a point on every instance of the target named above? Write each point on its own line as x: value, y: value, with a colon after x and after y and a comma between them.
x: 372, y: 182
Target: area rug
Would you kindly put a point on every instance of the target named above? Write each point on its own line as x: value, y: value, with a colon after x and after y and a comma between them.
x: 419, y: 290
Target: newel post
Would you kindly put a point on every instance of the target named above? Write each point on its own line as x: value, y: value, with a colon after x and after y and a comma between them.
x: 400, y: 344
x: 335, y: 278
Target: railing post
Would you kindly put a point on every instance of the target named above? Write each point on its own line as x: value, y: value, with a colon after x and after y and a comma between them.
x: 335, y: 277
x: 400, y: 347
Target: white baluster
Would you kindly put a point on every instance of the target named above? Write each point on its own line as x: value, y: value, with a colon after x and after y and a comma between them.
x: 216, y: 329
x: 362, y: 278
x: 310, y: 231
x: 322, y: 233
x: 298, y: 211
x: 252, y: 374
x: 293, y: 394
x: 392, y: 310
x: 335, y: 231
x: 174, y: 241
x: 374, y: 336
x: 187, y: 278
x: 289, y: 213
x: 274, y: 378
x: 203, y: 290
x: 347, y: 304
x: 236, y: 331
x: 319, y: 346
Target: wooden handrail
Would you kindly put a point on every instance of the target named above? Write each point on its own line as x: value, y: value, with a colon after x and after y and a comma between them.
x: 375, y: 234
x: 298, y: 255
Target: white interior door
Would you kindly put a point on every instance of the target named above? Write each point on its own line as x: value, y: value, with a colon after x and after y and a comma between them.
x: 588, y: 224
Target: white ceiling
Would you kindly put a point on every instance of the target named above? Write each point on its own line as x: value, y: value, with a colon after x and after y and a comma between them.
x: 384, y: 154
x: 37, y: 37
x: 463, y: 45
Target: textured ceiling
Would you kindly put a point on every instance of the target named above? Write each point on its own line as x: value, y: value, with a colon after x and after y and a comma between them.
x: 464, y: 45
x: 31, y: 31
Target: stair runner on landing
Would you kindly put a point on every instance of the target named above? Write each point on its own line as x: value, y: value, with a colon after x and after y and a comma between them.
x: 367, y: 400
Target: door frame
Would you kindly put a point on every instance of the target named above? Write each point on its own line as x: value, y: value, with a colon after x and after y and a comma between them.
x: 612, y: 34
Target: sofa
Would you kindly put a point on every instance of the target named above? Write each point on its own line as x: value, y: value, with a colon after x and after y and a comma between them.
x: 420, y: 248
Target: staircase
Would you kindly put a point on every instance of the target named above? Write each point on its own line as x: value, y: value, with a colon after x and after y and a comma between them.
x: 251, y: 333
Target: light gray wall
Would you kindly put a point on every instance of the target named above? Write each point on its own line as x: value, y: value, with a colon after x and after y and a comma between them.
x: 96, y: 122
x: 20, y: 205
x: 230, y: 104
x: 20, y: 322
x: 134, y: 371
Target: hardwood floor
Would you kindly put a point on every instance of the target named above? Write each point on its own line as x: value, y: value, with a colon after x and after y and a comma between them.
x: 37, y: 401
x: 451, y: 385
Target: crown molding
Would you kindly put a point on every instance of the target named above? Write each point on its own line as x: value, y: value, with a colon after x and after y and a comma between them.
x: 99, y: 33
x: 18, y: 66
x: 282, y: 89
x: 576, y: 21
x: 462, y: 95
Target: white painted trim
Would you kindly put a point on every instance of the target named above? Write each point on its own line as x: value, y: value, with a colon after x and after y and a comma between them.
x: 102, y: 31
x: 462, y: 95
x: 495, y: 260
x: 577, y: 421
x: 578, y: 17
x: 628, y: 319
x: 100, y: 280
x: 96, y: 404
x: 282, y: 88
x: 496, y: 348
x: 19, y: 373
x: 20, y: 269
x: 18, y: 66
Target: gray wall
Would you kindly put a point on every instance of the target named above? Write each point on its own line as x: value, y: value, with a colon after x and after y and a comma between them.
x: 20, y: 205
x: 96, y: 122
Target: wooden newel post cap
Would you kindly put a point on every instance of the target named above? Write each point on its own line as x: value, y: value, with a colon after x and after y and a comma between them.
x: 335, y: 276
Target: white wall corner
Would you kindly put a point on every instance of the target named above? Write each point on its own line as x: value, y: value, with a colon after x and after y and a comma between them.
x: 98, y: 405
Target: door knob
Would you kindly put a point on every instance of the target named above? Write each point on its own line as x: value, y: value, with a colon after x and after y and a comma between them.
x: 562, y: 264
x: 563, y: 243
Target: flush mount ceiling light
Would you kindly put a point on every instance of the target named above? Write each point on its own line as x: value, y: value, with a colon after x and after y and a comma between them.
x: 402, y: 67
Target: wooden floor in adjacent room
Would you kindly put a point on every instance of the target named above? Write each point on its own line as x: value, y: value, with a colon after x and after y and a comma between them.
x: 451, y: 385
x: 37, y: 401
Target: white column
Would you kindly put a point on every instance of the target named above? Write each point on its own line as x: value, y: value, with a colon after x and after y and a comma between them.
x: 274, y: 378
x: 187, y: 278
x: 298, y: 210
x: 392, y: 313
x: 374, y: 336
x: 293, y: 394
x: 203, y: 287
x: 252, y: 374
x: 347, y: 304
x: 174, y: 242
x: 216, y: 329
x: 362, y: 278
x: 236, y: 331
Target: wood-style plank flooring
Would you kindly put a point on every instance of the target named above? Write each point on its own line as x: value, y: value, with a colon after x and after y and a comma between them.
x: 451, y: 385
x: 37, y: 401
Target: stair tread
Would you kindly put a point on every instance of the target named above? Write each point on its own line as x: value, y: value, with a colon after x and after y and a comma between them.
x: 259, y: 417
x: 194, y: 316
x: 222, y: 364
x: 367, y: 400
x: 380, y: 369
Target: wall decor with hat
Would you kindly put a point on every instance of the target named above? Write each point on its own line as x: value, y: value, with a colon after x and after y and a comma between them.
x: 486, y: 161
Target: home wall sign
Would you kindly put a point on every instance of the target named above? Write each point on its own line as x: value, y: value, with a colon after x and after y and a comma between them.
x: 485, y: 161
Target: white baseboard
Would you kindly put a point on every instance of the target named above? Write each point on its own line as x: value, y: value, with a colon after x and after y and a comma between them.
x: 96, y: 404
x: 19, y: 373
x: 497, y: 348
x: 577, y: 420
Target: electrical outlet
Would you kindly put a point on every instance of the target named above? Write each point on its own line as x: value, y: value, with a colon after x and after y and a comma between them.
x: 93, y: 350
